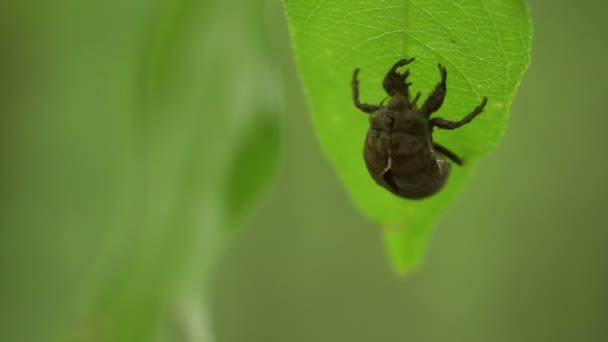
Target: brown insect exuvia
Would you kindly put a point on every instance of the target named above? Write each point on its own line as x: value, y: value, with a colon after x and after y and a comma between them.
x: 399, y: 150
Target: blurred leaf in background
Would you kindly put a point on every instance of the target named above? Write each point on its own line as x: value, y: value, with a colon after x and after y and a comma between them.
x: 485, y: 46
x: 135, y: 136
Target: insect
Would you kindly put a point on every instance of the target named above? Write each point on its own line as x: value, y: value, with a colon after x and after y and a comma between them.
x: 399, y: 151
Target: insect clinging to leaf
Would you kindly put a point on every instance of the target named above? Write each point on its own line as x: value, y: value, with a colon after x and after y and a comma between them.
x: 399, y: 151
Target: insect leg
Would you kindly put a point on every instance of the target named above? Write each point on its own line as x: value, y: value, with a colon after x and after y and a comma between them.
x: 383, y: 101
x: 451, y: 155
x: 394, y: 81
x: 435, y: 100
x: 415, y: 101
x: 367, y: 108
x: 446, y: 124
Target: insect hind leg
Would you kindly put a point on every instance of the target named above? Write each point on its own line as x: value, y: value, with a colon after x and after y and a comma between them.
x: 451, y: 155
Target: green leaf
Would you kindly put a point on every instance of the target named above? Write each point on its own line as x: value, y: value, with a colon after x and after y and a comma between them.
x: 485, y: 46
x: 251, y: 168
x: 199, y: 112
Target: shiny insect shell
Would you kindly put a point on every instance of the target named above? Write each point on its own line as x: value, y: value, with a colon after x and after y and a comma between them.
x: 399, y: 150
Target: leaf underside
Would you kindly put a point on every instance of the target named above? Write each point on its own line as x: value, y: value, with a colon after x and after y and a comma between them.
x: 485, y: 46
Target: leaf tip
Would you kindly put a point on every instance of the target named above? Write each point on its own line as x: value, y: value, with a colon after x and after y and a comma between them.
x: 405, y: 250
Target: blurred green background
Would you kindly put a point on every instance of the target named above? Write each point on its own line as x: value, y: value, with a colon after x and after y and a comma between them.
x: 122, y: 122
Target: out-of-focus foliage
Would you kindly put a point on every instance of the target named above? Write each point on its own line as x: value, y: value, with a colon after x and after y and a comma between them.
x: 129, y: 142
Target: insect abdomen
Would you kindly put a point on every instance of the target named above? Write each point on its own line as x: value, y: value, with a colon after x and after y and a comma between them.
x: 424, y: 183
x: 404, y: 164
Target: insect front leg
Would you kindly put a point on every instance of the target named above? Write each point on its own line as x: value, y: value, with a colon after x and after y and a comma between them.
x: 367, y: 108
x: 451, y: 155
x: 446, y: 124
x: 435, y: 100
